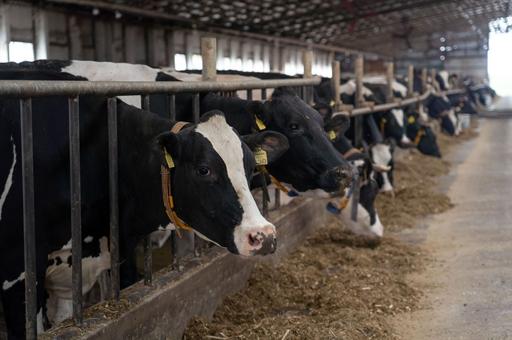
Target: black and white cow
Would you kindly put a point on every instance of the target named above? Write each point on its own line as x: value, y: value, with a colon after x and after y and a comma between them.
x: 310, y: 164
x: 209, y: 185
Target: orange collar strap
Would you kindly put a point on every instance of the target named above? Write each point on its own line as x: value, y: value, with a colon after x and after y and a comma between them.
x: 166, y: 186
x: 290, y: 192
x: 421, y: 133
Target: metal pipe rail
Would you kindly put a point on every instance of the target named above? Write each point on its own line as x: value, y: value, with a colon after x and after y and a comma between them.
x: 398, y: 103
x: 38, y: 88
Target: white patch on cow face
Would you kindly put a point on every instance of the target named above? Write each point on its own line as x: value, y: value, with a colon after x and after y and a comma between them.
x: 106, y: 71
x: 8, y: 284
x: 8, y: 182
x: 453, y: 120
x: 386, y: 186
x: 229, y: 148
x: 381, y: 154
x: 377, y: 228
x: 381, y: 80
x: 399, y: 116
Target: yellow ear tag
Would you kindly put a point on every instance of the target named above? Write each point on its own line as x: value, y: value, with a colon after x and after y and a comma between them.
x: 168, y: 159
x: 332, y: 135
x: 411, y: 120
x: 332, y: 103
x: 260, y: 156
x: 260, y: 124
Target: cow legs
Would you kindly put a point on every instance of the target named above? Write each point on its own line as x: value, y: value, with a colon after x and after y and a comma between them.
x: 13, y: 300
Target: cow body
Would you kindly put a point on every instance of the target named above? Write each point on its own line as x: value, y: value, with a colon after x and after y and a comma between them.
x: 210, y: 188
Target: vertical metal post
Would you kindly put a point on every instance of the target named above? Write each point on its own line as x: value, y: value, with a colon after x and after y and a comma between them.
x: 358, y: 127
x: 423, y: 80
x: 195, y: 243
x: 249, y: 94
x: 390, y: 77
x: 173, y: 239
x: 359, y: 100
x: 263, y: 94
x: 195, y: 108
x: 172, y: 107
x: 336, y: 84
x: 410, y: 80
x: 148, y: 251
x: 113, y: 171
x: 307, y: 60
x: 29, y: 232
x: 209, y: 55
x: 76, y: 205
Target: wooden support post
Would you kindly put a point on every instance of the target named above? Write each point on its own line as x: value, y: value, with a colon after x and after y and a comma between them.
x: 359, y: 73
x: 336, y: 84
x: 307, y: 60
x: 410, y: 80
x: 390, y: 77
x: 276, y: 58
x: 41, y: 41
x: 5, y: 32
x: 424, y: 80
x: 209, y: 55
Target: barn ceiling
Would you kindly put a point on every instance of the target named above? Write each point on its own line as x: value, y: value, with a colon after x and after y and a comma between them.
x: 383, y: 26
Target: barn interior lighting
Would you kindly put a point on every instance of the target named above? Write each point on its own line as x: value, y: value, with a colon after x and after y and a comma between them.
x: 180, y: 62
x: 95, y: 11
x: 118, y: 15
x: 498, y: 56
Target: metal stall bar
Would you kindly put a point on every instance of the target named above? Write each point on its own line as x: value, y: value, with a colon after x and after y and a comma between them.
x: 189, y: 236
x: 37, y: 88
x: 148, y: 251
x: 113, y: 172
x: 358, y: 128
x: 76, y: 207
x: 29, y: 232
x: 307, y: 59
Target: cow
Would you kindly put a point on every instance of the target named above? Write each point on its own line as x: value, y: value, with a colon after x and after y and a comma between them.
x: 310, y: 164
x: 208, y: 164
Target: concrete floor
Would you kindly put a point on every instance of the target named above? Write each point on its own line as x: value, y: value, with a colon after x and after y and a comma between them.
x: 468, y: 289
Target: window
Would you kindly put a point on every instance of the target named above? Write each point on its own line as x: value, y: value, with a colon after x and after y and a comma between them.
x: 21, y: 51
x: 249, y: 65
x: 500, y: 48
x: 180, y: 62
x: 196, y: 63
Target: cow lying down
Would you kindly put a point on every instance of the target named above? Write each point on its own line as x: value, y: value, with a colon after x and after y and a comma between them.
x: 209, y: 168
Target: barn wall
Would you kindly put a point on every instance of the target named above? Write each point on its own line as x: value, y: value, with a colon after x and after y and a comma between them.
x: 102, y: 37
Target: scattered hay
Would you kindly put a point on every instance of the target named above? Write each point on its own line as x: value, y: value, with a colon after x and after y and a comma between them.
x: 337, y: 285
x: 326, y: 289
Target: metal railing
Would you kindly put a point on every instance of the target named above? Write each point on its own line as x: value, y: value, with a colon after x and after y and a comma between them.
x: 25, y: 90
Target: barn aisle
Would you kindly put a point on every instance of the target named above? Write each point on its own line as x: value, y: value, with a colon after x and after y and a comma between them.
x: 468, y: 288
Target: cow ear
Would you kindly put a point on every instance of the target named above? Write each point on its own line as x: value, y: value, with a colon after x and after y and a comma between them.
x: 259, y: 110
x: 339, y: 124
x: 273, y: 143
x: 170, y: 143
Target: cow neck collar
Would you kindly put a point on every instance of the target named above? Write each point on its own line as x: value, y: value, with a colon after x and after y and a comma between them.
x: 261, y: 163
x: 165, y: 171
x: 421, y: 133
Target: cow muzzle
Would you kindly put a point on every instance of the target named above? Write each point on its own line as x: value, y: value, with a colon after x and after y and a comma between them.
x: 259, y: 241
x: 338, y: 178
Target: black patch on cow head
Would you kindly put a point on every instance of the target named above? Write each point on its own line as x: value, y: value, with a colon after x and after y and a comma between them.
x: 311, y: 162
x: 204, y: 195
x: 368, y: 194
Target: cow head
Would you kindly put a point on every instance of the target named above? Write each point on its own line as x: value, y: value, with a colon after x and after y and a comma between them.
x: 381, y: 155
x: 391, y: 125
x: 422, y: 135
x: 210, y: 184
x: 311, y: 162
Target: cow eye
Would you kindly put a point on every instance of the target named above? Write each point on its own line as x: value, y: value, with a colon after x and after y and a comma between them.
x: 203, y: 171
x: 294, y: 127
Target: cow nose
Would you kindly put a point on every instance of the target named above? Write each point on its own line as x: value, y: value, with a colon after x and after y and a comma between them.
x: 263, y: 241
x: 342, y: 174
